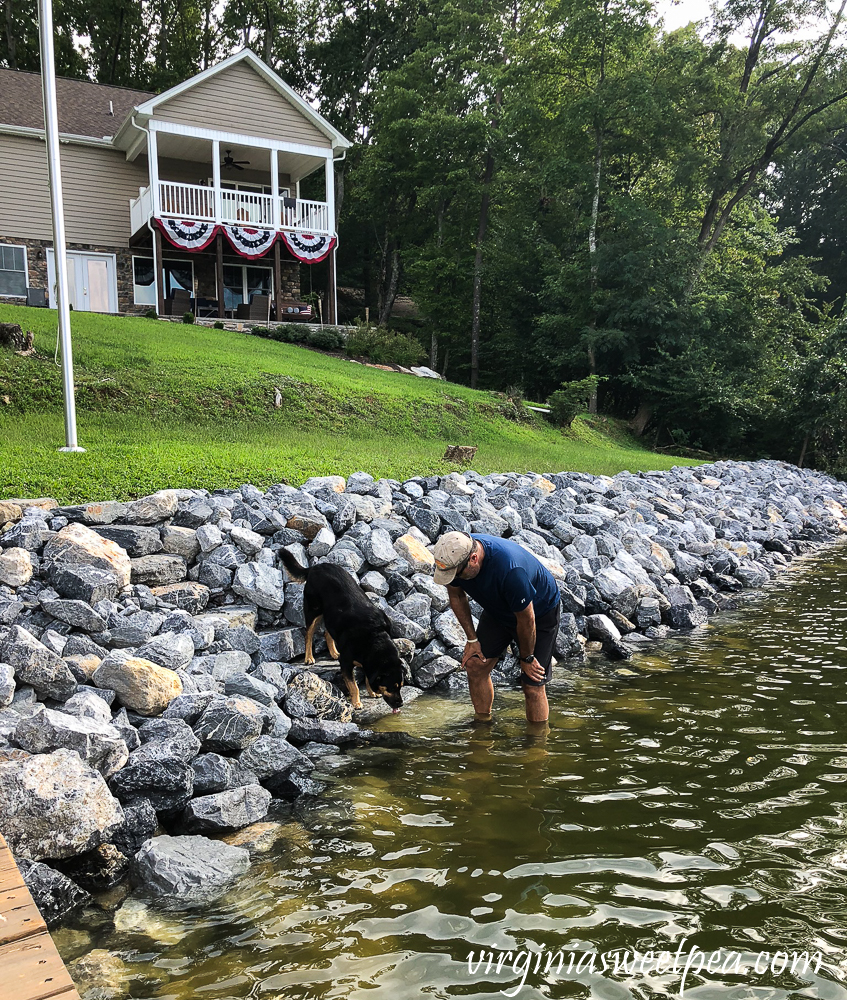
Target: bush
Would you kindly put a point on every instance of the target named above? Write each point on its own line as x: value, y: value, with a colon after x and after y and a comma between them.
x: 567, y: 402
x: 384, y: 347
x: 327, y: 339
x: 188, y: 317
x: 291, y: 333
x: 217, y: 325
x: 151, y: 313
x: 261, y: 331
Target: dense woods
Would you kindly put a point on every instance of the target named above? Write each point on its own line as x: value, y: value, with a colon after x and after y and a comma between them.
x: 564, y: 188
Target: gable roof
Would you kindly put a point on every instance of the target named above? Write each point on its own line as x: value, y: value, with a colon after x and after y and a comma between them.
x: 83, y: 106
x: 148, y: 108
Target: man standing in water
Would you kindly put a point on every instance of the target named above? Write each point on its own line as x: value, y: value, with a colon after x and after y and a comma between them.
x: 520, y: 601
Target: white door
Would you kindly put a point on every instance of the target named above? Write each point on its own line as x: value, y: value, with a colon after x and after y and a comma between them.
x: 93, y: 285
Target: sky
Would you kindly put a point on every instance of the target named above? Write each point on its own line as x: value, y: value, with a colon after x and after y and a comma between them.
x: 676, y: 13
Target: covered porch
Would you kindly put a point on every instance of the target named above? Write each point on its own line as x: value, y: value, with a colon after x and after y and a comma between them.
x: 231, y: 204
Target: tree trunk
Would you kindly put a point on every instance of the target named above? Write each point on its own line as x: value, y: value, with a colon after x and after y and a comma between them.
x: 477, y: 266
x: 433, y: 350
x: 641, y: 419
x: 11, y: 43
x: 446, y: 360
x: 802, y: 457
x: 391, y: 290
x: 592, y: 367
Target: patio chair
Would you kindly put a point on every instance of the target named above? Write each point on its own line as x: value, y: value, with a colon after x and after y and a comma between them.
x: 36, y: 297
x: 179, y: 302
x: 257, y: 308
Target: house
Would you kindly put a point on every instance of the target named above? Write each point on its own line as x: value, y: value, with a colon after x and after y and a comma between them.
x: 186, y: 199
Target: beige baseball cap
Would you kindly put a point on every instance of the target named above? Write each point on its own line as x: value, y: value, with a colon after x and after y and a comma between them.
x: 450, y: 551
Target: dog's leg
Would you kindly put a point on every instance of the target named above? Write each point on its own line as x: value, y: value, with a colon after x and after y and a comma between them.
x: 350, y: 682
x: 371, y: 693
x: 330, y: 642
x: 310, y: 632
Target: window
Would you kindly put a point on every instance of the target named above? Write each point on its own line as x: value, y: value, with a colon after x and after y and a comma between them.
x: 13, y: 271
x: 241, y: 281
x: 178, y: 274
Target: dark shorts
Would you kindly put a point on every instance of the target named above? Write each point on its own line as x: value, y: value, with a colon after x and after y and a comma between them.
x: 494, y: 637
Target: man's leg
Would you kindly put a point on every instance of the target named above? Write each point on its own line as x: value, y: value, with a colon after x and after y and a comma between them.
x: 537, y: 707
x: 480, y: 687
x: 535, y: 693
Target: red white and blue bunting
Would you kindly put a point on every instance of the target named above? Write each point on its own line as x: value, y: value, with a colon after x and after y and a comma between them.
x: 188, y: 235
x: 306, y: 247
x: 247, y: 241
x: 250, y: 242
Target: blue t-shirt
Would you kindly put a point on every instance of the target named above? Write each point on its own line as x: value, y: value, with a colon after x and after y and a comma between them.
x: 510, y: 578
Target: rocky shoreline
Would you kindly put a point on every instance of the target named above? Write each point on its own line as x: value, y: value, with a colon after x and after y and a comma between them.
x: 150, y: 694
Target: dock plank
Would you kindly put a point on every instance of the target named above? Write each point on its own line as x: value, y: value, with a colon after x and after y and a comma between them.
x: 31, y: 967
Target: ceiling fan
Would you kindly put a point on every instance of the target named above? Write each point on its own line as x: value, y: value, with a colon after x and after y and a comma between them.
x: 228, y: 161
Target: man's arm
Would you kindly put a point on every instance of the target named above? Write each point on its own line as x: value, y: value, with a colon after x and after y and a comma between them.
x: 526, y: 642
x: 462, y: 610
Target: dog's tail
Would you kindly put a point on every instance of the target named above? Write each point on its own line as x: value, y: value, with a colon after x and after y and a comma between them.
x: 295, y: 570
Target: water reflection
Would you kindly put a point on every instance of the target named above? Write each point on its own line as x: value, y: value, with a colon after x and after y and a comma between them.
x: 695, y: 800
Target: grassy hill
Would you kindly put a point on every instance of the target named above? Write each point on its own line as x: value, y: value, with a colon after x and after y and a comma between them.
x: 166, y: 404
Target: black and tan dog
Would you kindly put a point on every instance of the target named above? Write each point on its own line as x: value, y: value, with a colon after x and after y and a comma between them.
x: 356, y: 630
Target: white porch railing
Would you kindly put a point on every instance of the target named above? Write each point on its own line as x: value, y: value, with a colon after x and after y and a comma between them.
x: 187, y: 201
x: 231, y: 207
x: 240, y: 208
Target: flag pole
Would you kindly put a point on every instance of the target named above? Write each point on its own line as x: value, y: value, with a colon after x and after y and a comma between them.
x: 51, y: 133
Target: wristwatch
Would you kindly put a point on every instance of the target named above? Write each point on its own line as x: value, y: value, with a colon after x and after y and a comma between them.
x: 528, y: 659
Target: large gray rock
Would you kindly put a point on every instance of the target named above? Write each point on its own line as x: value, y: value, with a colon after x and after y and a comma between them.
x: 131, y: 631
x: 310, y: 696
x: 229, y: 724
x: 140, y: 822
x: 137, y: 541
x: 602, y: 628
x: 429, y: 674
x: 228, y: 810
x: 313, y: 730
x: 159, y: 570
x: 188, y: 871
x: 55, y: 895
x: 54, y: 805
x: 261, y: 585
x: 77, y: 613
x: 153, y: 509
x: 76, y: 545
x: 169, y: 649
x: 97, y: 743
x: 35, y: 664
x: 449, y: 631
x: 189, y: 596
x: 158, y: 773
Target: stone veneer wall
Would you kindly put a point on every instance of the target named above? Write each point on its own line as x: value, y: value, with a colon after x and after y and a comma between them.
x: 204, y: 270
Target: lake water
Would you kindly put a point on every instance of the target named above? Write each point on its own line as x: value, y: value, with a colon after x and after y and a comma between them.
x: 699, y: 803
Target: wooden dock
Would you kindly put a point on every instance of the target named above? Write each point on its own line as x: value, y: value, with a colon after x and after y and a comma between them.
x: 30, y: 966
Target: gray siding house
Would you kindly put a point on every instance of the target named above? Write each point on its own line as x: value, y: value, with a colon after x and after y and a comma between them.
x: 193, y: 194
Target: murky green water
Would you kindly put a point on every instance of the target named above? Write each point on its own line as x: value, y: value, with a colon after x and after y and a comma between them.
x: 699, y: 803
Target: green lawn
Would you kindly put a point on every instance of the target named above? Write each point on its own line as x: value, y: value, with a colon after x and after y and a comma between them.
x: 164, y: 404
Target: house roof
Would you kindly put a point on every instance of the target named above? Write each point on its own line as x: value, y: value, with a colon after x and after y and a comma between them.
x: 83, y: 106
x: 248, y: 56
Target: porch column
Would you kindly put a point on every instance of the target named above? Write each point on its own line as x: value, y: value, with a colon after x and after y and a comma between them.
x: 160, y: 275
x: 153, y: 164
x: 329, y: 187
x: 277, y: 282
x: 219, y: 273
x: 331, y: 303
x: 216, y: 178
x: 275, y: 212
